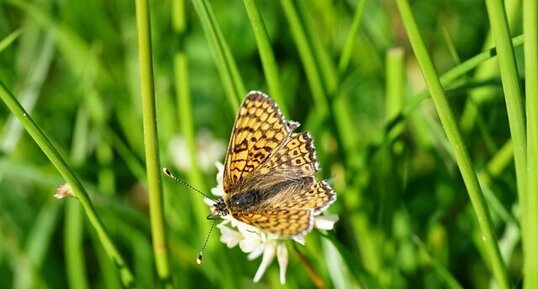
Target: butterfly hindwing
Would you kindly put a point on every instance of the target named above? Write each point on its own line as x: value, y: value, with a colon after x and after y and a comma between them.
x: 283, y: 206
x: 282, y: 222
x: 303, y: 193
x: 294, y: 159
x: 307, y: 194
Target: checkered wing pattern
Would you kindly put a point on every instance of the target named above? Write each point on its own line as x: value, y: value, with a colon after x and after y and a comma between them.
x: 258, y: 131
x: 282, y: 222
x: 269, y: 171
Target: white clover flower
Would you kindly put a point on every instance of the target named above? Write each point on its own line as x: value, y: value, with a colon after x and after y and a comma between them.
x: 256, y: 242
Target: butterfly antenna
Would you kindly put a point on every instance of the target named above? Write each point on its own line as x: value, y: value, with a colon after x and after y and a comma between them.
x: 200, y: 255
x: 169, y: 174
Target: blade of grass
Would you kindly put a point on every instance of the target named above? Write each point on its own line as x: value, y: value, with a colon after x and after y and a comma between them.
x: 325, y: 65
x: 230, y: 62
x: 458, y: 147
x: 306, y: 54
x: 362, y: 277
x: 74, y: 224
x: 135, y: 166
x: 530, y: 29
x: 184, y: 112
x: 40, y: 236
x: 350, y: 38
x: 487, y: 70
x: 395, y: 88
x: 480, y: 122
x: 453, y: 74
x: 266, y: 54
x: 6, y: 41
x: 495, y: 167
x: 452, y: 51
x: 38, y: 243
x: 151, y: 145
x: 74, y: 49
x: 231, y: 79
x: 106, y: 174
x: 513, y: 98
x: 73, y: 248
x: 76, y: 186
x: 340, y: 275
x: 437, y: 266
x: 21, y: 265
x: 30, y: 91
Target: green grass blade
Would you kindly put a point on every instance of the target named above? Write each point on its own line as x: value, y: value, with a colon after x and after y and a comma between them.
x: 151, y: 145
x: 487, y: 70
x: 306, y: 53
x: 231, y: 80
x: 530, y: 29
x: 74, y: 248
x: 325, y: 65
x: 512, y: 95
x: 395, y: 88
x: 6, y: 41
x: 454, y: 73
x: 437, y: 266
x: 458, y: 147
x: 267, y: 57
x: 29, y: 94
x: 74, y: 223
x: 343, y: 63
x: 76, y: 186
x: 185, y: 114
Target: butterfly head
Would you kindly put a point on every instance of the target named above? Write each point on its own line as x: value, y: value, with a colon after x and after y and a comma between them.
x: 219, y: 208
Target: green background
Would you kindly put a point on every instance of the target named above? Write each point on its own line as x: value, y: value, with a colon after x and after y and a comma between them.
x: 344, y: 69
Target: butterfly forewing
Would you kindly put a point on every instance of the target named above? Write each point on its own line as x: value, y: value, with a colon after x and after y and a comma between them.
x: 259, y: 129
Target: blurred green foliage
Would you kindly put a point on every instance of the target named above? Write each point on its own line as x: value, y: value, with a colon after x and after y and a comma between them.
x: 405, y: 216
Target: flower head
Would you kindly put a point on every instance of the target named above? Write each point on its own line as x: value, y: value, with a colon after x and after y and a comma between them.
x: 63, y: 191
x: 256, y: 242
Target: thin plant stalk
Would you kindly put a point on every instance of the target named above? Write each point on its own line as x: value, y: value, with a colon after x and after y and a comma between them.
x: 325, y: 65
x: 151, y: 145
x: 6, y: 41
x: 74, y: 254
x: 350, y: 38
x: 306, y: 54
x: 530, y: 29
x: 229, y: 74
x: 29, y: 94
x: 487, y: 70
x: 456, y: 72
x: 78, y: 190
x: 395, y: 88
x: 266, y: 54
x: 185, y: 108
x: 458, y: 147
x: 74, y: 223
x: 512, y: 96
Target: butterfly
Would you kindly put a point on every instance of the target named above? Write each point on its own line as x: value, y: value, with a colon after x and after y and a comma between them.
x: 269, y: 172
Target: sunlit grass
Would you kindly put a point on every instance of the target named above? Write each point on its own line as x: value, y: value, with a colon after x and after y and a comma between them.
x: 345, y: 70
